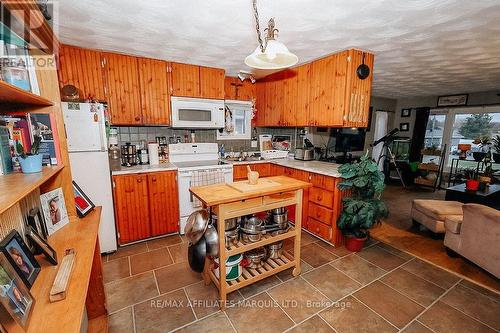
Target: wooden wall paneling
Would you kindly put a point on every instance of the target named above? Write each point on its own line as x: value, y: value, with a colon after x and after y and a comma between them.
x: 154, y: 87
x: 212, y: 82
x: 185, y: 80
x: 163, y: 202
x: 83, y: 69
x: 230, y: 87
x: 260, y: 104
x: 236, y: 90
x: 123, y: 94
x: 96, y: 297
x: 302, y: 104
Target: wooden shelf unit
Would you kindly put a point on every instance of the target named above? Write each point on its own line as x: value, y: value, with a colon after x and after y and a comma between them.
x: 267, y: 239
x: 17, y: 97
x: 16, y: 186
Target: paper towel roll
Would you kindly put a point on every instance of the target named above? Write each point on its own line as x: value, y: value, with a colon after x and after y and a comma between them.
x: 154, y: 159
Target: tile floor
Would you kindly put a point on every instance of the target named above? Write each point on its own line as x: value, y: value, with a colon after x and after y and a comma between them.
x: 150, y: 288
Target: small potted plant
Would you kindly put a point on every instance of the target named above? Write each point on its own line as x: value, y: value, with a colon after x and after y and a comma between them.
x: 363, y: 208
x: 471, y: 182
x: 31, y: 162
x: 496, y: 148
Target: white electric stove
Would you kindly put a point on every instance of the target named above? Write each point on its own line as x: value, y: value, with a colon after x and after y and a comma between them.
x: 189, y: 158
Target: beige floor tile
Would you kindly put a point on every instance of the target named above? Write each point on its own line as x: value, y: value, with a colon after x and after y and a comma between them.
x: 358, y: 269
x: 331, y: 282
x: 431, y: 273
x: 205, y: 299
x: 287, y: 274
x: 444, y: 318
x: 388, y: 303
x: 164, y: 313
x: 179, y: 252
x: 298, y: 299
x: 176, y: 276
x: 163, y: 242
x: 148, y: 261
x: 125, y: 292
x: 339, y: 251
x: 316, y: 255
x: 259, y: 286
x: 121, y: 321
x: 115, y: 269
x: 354, y: 317
x: 416, y: 327
x: 306, y: 238
x: 314, y: 324
x: 256, y: 314
x: 128, y: 250
x: 487, y: 292
x: 217, y: 323
x: 412, y: 286
x: 475, y: 304
x: 395, y: 251
x: 383, y: 259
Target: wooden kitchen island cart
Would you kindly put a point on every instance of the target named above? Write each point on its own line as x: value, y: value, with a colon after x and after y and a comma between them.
x: 239, y: 199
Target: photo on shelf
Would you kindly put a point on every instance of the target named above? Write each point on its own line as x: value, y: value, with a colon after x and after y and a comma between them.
x: 37, y: 222
x: 15, y: 297
x: 54, y: 210
x: 20, y: 257
x: 83, y: 204
x: 49, y: 253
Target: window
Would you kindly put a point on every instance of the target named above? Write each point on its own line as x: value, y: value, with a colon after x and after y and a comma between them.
x: 237, y: 122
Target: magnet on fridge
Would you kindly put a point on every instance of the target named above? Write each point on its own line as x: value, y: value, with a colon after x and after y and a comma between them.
x: 96, y: 117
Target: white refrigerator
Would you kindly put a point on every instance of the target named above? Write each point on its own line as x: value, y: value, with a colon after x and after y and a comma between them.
x: 88, y: 155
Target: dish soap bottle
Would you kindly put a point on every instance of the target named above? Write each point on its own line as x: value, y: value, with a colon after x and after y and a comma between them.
x: 222, y: 151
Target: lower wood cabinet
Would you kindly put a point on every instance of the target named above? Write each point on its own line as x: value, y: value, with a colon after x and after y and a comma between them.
x: 240, y: 170
x: 146, y: 205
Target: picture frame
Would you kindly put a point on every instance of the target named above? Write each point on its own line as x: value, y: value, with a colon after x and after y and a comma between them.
x: 49, y: 253
x: 20, y: 257
x: 54, y: 210
x: 82, y: 202
x: 15, y: 297
x: 404, y: 127
x: 35, y: 219
x: 405, y: 113
x: 453, y: 100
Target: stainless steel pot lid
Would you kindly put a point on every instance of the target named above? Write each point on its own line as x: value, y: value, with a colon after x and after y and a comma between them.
x: 255, y: 254
x: 196, y: 225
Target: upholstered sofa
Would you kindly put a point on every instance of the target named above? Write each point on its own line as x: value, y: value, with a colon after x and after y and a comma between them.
x: 476, y: 236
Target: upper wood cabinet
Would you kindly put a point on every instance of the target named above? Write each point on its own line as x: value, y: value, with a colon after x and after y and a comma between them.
x: 123, y: 94
x: 235, y: 89
x: 197, y: 81
x: 83, y: 69
x: 154, y: 88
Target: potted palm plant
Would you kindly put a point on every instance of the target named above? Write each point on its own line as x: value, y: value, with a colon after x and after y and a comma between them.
x: 363, y: 208
x: 496, y: 147
x: 31, y: 162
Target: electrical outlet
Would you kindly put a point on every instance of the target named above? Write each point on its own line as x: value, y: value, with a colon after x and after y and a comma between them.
x: 253, y: 144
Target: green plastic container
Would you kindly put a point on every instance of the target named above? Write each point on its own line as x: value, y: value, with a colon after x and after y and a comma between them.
x: 233, y: 267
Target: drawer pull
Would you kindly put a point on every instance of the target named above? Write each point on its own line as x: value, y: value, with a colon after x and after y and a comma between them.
x: 139, y: 180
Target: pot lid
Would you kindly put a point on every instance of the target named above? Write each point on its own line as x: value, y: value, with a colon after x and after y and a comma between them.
x: 257, y: 253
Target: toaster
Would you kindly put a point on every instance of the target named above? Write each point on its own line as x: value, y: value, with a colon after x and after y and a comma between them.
x: 304, y: 154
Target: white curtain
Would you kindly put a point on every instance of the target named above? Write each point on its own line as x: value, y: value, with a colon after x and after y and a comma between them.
x: 381, y: 118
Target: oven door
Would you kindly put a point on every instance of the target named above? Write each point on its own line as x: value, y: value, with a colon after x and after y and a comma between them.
x: 197, y: 113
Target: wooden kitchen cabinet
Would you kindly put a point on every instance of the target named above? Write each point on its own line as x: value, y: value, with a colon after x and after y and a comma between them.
x: 154, y: 88
x: 212, y: 82
x: 83, y: 69
x: 260, y: 104
x: 146, y: 205
x: 185, y: 80
x: 123, y: 92
x: 235, y: 89
x: 131, y: 207
x: 240, y: 170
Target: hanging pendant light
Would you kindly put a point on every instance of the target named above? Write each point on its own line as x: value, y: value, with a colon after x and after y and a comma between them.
x: 270, y: 54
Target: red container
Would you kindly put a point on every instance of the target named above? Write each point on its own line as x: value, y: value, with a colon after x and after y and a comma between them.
x: 471, y: 184
x: 354, y: 244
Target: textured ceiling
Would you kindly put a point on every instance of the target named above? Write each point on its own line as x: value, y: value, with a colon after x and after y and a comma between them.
x: 424, y: 47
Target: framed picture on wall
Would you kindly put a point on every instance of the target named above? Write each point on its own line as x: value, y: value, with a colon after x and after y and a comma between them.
x: 453, y: 100
x: 404, y: 127
x: 405, y: 113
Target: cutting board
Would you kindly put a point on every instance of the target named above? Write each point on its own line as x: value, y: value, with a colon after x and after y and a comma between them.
x: 262, y: 184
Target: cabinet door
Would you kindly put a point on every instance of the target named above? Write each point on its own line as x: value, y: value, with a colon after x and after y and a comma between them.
x: 211, y: 82
x: 185, y: 80
x: 131, y: 207
x: 83, y: 69
x: 240, y: 172
x: 289, y: 98
x: 302, y: 93
x: 163, y: 202
x: 260, y: 104
x: 274, y: 100
x: 264, y: 169
x: 123, y: 94
x: 154, y: 91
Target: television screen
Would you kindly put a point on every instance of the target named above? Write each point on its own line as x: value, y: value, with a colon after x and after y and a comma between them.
x: 347, y: 139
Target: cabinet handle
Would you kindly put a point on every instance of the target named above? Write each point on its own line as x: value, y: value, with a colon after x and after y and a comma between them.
x: 318, y: 198
x: 154, y: 179
x: 137, y: 118
x: 139, y: 180
x: 317, y: 230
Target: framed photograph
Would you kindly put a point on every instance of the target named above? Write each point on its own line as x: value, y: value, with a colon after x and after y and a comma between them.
x: 453, y: 100
x: 42, y: 245
x: 404, y: 127
x: 405, y: 113
x: 14, y: 295
x: 20, y: 257
x: 54, y: 210
x: 35, y: 220
x: 83, y: 204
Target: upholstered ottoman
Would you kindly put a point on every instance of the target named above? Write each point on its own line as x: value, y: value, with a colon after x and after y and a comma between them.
x: 432, y: 213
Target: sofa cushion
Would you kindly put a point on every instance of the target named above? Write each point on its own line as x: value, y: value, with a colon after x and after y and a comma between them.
x: 453, y: 223
x: 438, y: 209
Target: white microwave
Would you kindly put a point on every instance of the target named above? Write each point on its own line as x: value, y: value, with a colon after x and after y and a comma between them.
x: 197, y: 113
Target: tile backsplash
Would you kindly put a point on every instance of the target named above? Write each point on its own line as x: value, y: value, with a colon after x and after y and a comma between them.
x: 136, y: 135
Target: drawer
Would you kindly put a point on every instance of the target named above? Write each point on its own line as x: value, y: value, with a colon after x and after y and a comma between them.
x: 277, y: 197
x: 321, y: 197
x: 324, y: 182
x: 243, y: 204
x: 320, y: 213
x: 319, y: 229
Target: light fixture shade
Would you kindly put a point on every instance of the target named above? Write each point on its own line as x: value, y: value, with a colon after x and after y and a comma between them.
x: 276, y: 56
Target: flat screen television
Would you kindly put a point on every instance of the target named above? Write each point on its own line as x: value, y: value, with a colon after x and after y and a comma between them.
x: 347, y: 139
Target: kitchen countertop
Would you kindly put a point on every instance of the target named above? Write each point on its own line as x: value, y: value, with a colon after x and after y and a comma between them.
x: 117, y: 169
x: 322, y: 168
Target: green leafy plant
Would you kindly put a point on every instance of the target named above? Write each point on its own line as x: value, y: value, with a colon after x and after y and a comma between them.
x: 34, y: 147
x: 469, y: 174
x: 363, y: 208
x: 496, y: 143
